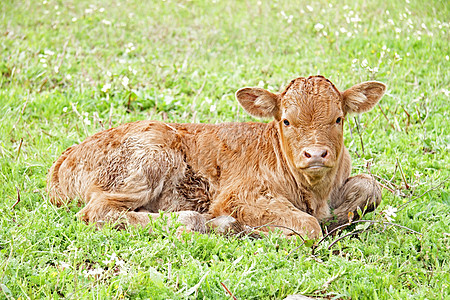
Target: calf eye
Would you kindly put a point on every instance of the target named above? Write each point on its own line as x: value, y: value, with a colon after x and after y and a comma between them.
x: 338, y: 120
x: 286, y: 122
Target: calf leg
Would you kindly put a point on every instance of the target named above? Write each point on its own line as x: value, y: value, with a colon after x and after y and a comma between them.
x: 263, y: 214
x: 358, y: 191
x: 117, y: 209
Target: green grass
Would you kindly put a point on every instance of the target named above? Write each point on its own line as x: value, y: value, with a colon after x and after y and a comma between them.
x: 184, y: 61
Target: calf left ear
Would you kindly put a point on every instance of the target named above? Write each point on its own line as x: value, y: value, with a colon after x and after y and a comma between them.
x: 363, y: 97
x: 259, y: 102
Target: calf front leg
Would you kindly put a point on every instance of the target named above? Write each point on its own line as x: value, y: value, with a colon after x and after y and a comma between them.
x: 265, y: 214
x: 360, y: 191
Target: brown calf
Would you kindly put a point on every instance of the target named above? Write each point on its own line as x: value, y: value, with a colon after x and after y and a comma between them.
x: 293, y: 171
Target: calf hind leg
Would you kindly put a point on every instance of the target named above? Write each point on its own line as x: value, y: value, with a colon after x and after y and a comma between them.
x: 113, y: 208
x: 360, y: 191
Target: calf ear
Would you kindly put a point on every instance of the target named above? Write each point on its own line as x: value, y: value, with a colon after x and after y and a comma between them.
x: 258, y: 102
x: 363, y: 97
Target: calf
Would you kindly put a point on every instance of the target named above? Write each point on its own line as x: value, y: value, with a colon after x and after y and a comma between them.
x: 292, y: 172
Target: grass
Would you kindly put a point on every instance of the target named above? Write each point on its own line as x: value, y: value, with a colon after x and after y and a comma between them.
x: 72, y: 68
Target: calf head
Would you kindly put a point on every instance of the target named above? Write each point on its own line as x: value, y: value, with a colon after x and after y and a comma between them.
x: 310, y: 113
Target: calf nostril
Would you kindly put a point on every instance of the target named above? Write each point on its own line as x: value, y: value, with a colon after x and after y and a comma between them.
x: 307, y: 155
x: 324, y: 154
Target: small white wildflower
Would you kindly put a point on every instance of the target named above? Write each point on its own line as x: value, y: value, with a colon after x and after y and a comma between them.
x: 56, y: 69
x: 106, y: 87
x: 364, y: 63
x: 446, y: 57
x: 125, y: 81
x: 168, y: 99
x: 343, y: 30
x: 108, y: 73
x: 398, y: 30
x: 88, y: 11
x: 397, y: 57
x: 390, y: 213
x: 106, y: 22
x: 74, y: 19
x: 64, y: 109
x: 319, y: 26
x: 309, y: 8
x: 208, y: 100
x: 212, y: 108
x: 102, y: 9
x: 261, y: 84
x: 64, y: 265
x: 43, y: 61
x: 93, y: 272
x: 68, y: 76
x: 49, y: 52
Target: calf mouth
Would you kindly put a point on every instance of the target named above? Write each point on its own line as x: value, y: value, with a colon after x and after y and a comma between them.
x: 316, y: 168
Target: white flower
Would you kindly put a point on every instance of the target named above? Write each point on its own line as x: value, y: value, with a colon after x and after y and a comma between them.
x: 88, y: 11
x: 319, y: 26
x: 212, y: 108
x: 64, y: 265
x: 309, y: 8
x: 93, y: 272
x: 74, y: 19
x: 390, y: 213
x: 64, y: 109
x: 106, y: 22
x: 168, y: 99
x: 48, y: 52
x: 364, y: 63
x: 125, y: 81
x: 106, y: 87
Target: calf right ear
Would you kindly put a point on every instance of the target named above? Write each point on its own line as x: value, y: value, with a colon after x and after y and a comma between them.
x: 259, y: 102
x: 363, y: 97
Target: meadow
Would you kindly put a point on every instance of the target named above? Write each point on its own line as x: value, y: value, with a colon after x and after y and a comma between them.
x: 69, y: 69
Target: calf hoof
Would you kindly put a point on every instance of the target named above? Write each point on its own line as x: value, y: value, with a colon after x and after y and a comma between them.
x: 192, y: 221
x: 227, y: 225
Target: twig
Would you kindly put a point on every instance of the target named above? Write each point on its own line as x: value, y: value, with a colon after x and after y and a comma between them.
x: 279, y: 226
x: 365, y: 221
x: 389, y: 122
x: 18, y: 198
x: 359, y: 133
x: 295, y: 249
x: 403, y: 174
x: 423, y: 194
x: 387, y: 188
x: 20, y: 147
x: 387, y: 181
x: 228, y: 291
x: 342, y: 237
